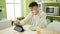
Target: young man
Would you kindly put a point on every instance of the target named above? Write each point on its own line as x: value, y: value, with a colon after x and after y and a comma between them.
x: 35, y: 17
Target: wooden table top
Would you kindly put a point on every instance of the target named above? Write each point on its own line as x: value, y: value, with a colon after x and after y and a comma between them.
x: 11, y: 30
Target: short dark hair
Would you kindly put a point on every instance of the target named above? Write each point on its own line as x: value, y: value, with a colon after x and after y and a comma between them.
x: 33, y: 4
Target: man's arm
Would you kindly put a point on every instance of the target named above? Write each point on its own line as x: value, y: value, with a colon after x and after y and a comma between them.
x: 26, y: 19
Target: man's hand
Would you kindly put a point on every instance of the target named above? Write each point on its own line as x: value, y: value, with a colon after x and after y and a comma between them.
x: 17, y: 22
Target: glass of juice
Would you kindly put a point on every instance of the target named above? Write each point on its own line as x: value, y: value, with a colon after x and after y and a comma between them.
x: 38, y: 30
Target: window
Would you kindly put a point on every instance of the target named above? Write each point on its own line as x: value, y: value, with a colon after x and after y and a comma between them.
x: 13, y: 8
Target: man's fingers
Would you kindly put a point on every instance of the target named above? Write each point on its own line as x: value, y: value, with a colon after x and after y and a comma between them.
x: 17, y: 22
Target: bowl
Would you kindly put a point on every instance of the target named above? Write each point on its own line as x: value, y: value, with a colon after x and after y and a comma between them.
x: 33, y: 28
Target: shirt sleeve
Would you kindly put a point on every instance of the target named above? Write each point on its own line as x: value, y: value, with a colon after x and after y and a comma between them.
x: 27, y: 18
x: 43, y: 19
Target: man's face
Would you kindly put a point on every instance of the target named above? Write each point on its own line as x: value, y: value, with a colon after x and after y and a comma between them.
x: 34, y: 9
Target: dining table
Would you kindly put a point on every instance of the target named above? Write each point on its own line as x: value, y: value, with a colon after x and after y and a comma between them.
x: 11, y: 30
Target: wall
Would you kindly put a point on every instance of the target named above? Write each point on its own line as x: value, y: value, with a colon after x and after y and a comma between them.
x: 2, y: 3
x: 25, y: 8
